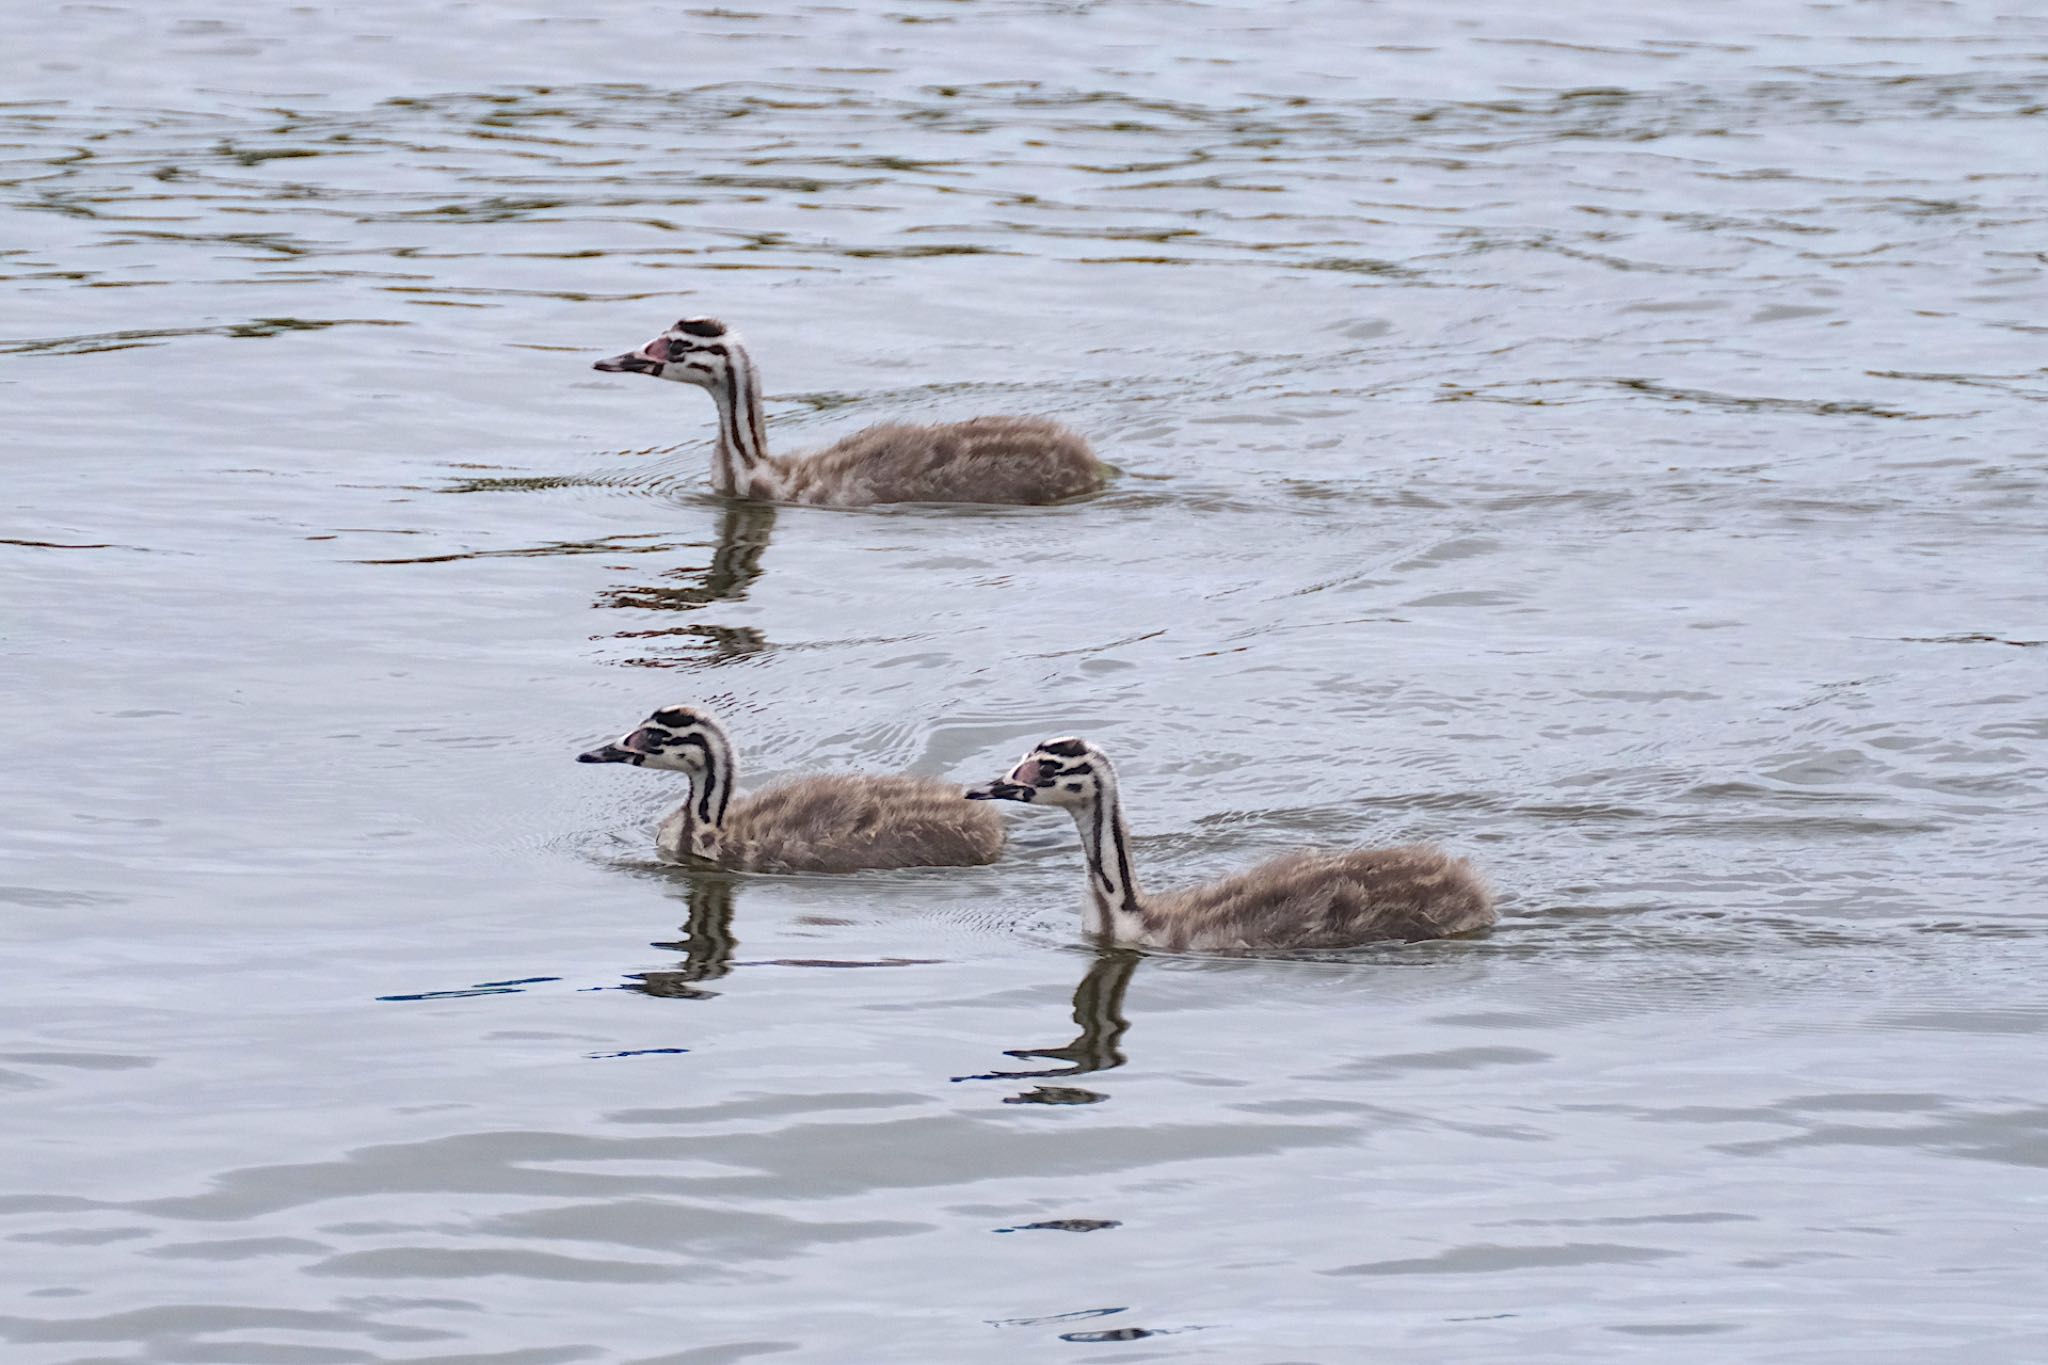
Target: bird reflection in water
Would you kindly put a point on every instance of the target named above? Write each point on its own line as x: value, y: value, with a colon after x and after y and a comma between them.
x: 742, y: 539
x: 1099, y: 1011
x: 706, y: 945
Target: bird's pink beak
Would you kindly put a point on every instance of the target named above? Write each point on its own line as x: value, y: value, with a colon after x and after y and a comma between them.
x: 649, y: 359
x: 1020, y: 785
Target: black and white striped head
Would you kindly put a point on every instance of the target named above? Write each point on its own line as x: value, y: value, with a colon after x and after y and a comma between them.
x: 694, y: 351
x: 678, y: 738
x: 1059, y: 772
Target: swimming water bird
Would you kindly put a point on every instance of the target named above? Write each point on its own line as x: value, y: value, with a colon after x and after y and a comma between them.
x: 1297, y: 901
x: 984, y: 459
x: 828, y: 823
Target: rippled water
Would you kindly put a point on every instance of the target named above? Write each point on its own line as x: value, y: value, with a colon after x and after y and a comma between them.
x: 1608, y: 443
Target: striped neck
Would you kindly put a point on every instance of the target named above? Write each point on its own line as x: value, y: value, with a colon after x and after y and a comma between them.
x: 710, y: 793
x: 1114, y: 907
x: 741, y: 463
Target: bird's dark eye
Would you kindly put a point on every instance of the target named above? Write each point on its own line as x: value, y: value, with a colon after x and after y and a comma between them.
x: 678, y: 349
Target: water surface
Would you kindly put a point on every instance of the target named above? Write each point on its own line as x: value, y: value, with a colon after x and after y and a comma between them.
x: 1608, y: 444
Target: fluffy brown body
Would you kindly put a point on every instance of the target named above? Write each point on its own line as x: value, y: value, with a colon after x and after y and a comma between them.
x: 1303, y: 900
x: 985, y: 459
x: 1313, y: 900
x: 845, y: 823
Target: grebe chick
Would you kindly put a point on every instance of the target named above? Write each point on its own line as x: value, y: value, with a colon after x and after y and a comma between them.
x: 984, y: 459
x: 829, y: 823
x: 1297, y: 901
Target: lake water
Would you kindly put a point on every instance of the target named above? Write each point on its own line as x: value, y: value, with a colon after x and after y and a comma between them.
x: 1610, y: 444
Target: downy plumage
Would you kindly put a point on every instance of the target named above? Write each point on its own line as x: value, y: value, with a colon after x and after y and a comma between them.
x: 1305, y: 900
x: 828, y: 823
x: 981, y: 460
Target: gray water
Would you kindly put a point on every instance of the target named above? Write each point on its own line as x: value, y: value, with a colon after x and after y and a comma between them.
x: 1610, y: 444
